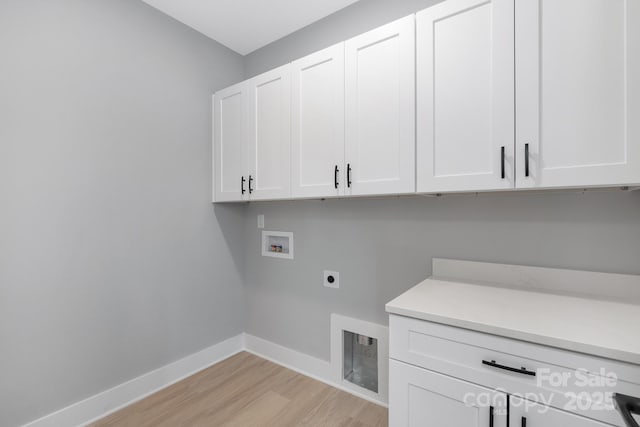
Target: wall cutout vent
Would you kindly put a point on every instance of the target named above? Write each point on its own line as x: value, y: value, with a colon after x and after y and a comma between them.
x: 360, y: 360
x: 360, y: 356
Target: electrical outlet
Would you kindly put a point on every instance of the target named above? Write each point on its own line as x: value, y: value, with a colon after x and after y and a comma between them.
x: 331, y: 279
x: 260, y: 221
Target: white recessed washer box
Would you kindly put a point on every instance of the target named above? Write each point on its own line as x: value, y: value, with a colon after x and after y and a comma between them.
x: 277, y: 244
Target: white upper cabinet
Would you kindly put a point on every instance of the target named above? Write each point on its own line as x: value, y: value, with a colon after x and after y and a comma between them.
x: 465, y: 96
x: 230, y: 143
x: 380, y: 110
x: 317, y: 124
x: 578, y: 92
x: 269, y: 134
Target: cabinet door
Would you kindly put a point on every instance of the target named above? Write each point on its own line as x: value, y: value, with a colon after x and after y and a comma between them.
x: 578, y: 92
x: 465, y: 87
x: 230, y: 144
x: 317, y: 124
x: 418, y: 398
x: 380, y: 110
x: 270, y: 134
x: 524, y: 413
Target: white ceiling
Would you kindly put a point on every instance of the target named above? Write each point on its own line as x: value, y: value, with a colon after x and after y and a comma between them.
x: 247, y: 25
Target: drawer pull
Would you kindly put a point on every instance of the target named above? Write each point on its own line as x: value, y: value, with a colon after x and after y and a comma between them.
x: 490, y: 416
x: 523, y: 371
x: 524, y: 421
x: 627, y: 405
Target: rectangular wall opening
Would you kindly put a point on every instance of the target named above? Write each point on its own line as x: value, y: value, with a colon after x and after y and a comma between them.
x: 360, y: 360
x: 277, y: 244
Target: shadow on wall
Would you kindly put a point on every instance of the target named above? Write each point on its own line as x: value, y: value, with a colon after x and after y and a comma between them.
x: 230, y: 219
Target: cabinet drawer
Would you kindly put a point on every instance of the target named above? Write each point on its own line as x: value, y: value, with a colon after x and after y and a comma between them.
x: 559, y: 374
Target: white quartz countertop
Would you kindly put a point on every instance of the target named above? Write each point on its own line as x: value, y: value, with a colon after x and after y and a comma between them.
x: 597, y: 327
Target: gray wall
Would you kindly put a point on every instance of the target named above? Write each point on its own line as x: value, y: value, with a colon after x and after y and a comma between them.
x: 383, y: 247
x: 113, y: 261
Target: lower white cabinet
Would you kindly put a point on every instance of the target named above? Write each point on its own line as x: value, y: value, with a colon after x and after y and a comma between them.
x: 442, y: 375
x: 422, y: 398
x: 524, y: 413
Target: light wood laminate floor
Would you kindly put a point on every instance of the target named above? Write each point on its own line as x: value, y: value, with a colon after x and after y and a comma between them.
x: 248, y: 391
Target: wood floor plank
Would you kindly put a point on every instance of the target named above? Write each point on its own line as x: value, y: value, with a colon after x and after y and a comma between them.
x: 306, y: 394
x: 248, y: 391
x: 260, y: 412
x: 338, y: 409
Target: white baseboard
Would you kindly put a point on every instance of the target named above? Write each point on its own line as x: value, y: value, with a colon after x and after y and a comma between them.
x: 106, y: 402
x: 310, y: 366
x: 102, y: 404
x: 303, y: 363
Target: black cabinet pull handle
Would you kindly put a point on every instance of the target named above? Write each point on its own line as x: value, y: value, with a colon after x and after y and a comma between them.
x: 490, y: 416
x: 349, y: 175
x: 502, y: 172
x: 526, y: 160
x: 523, y: 371
x: 524, y: 421
x: 250, y: 181
x: 335, y: 176
x: 242, y: 185
x: 627, y: 406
